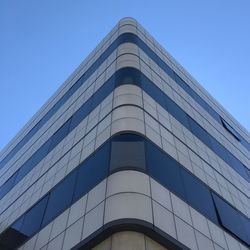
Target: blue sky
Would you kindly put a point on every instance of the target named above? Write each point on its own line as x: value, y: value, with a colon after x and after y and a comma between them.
x: 42, y: 42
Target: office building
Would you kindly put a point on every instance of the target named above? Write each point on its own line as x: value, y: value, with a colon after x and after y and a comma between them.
x: 129, y: 153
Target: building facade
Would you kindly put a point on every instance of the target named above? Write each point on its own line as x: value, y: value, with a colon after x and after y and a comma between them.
x: 130, y: 153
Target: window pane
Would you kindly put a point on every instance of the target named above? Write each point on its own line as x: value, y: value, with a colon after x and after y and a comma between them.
x: 33, y: 218
x: 80, y: 114
x: 199, y: 196
x: 128, y: 76
x: 100, y: 95
x: 127, y: 137
x: 7, y: 186
x: 230, y: 218
x: 152, y: 90
x: 129, y: 154
x: 60, y: 134
x: 41, y: 153
x: 176, y: 112
x: 182, y: 83
x: 92, y: 171
x: 24, y: 170
x: 218, y: 148
x: 230, y: 129
x: 237, y: 165
x: 246, y: 224
x: 164, y: 169
x: 12, y: 237
x: 199, y: 132
x: 60, y: 197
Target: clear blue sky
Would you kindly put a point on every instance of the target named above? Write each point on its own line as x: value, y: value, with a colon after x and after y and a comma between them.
x: 42, y: 42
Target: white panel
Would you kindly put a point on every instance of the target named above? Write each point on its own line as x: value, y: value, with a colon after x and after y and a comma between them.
x: 164, y: 219
x: 160, y: 194
x: 185, y: 233
x: 128, y: 205
x: 93, y: 220
x: 96, y: 195
x: 128, y: 181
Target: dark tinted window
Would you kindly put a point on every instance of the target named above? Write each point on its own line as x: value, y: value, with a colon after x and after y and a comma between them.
x: 230, y: 218
x: 128, y: 137
x: 246, y: 224
x: 248, y: 173
x: 176, y: 112
x: 218, y: 148
x: 60, y: 134
x: 128, y: 76
x: 33, y: 218
x: 12, y: 237
x: 26, y: 168
x: 103, y: 92
x: 200, y: 132
x: 198, y: 195
x: 237, y: 165
x: 230, y: 159
x: 230, y: 129
x: 92, y: 103
x: 80, y: 114
x: 164, y: 169
x: 129, y: 154
x: 18, y: 224
x: 152, y: 90
x: 92, y: 171
x: 41, y: 153
x: 182, y: 83
x: 60, y: 197
x: 76, y: 86
x: 8, y: 185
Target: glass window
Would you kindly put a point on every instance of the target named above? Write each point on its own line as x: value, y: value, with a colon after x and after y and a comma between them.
x: 18, y: 224
x: 33, y: 161
x: 182, y: 83
x: 230, y: 129
x: 80, y: 114
x: 101, y: 93
x: 237, y: 165
x: 129, y: 154
x: 164, y: 169
x: 199, y: 132
x: 230, y: 218
x: 12, y: 237
x: 76, y: 86
x: 230, y: 159
x: 176, y: 112
x: 198, y: 195
x: 129, y: 137
x: 7, y: 186
x: 248, y: 174
x: 41, y: 153
x: 92, y: 171
x: 24, y: 170
x: 218, y: 148
x: 127, y: 37
x: 60, y: 197
x: 246, y: 224
x: 33, y: 218
x: 152, y: 90
x: 60, y: 134
x: 128, y: 76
